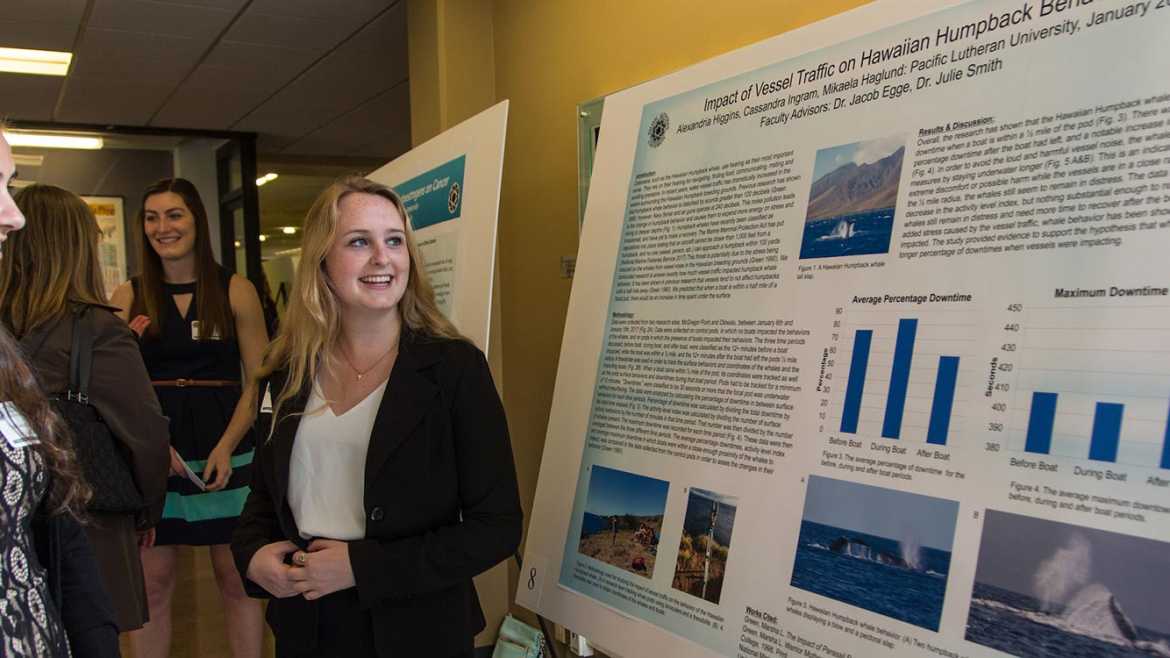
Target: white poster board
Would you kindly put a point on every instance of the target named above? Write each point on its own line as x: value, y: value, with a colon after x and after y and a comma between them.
x: 451, y: 187
x: 866, y: 353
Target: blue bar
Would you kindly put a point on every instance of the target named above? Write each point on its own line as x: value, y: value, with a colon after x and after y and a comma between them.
x: 899, y: 378
x: 1040, y: 421
x: 1106, y: 432
x: 857, y: 367
x: 944, y: 400
x: 1166, y: 445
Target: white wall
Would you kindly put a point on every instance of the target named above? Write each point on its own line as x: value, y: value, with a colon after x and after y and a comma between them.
x: 195, y: 161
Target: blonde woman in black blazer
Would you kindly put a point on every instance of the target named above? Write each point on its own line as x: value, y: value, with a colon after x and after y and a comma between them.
x: 426, y: 497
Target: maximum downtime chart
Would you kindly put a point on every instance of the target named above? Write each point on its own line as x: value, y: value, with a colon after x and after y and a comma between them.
x: 1085, y: 383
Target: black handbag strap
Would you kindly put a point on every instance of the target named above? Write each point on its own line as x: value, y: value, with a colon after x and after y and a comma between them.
x: 80, y: 356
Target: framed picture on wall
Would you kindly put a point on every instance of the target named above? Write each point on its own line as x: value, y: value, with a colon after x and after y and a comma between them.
x: 112, y: 243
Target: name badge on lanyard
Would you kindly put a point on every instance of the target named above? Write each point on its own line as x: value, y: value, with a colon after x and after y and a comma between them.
x: 15, y: 427
x: 196, y: 332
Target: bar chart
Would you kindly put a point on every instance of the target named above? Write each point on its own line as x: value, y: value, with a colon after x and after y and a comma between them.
x: 1094, y: 384
x: 905, y: 373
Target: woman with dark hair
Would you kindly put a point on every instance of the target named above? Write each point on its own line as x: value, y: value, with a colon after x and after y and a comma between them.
x: 49, y: 275
x: 386, y: 481
x: 52, y: 601
x: 197, y: 323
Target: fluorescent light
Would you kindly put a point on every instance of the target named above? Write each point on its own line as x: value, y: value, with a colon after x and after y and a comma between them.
x: 289, y: 230
x: 34, y: 62
x: 26, y: 160
x: 53, y: 140
x: 263, y: 237
x: 270, y: 176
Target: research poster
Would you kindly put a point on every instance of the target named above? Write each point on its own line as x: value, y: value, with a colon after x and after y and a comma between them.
x: 868, y: 351
x: 434, y: 201
x: 450, y: 186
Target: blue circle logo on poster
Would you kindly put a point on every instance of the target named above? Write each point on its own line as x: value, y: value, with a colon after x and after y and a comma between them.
x: 453, y: 197
x: 658, y: 128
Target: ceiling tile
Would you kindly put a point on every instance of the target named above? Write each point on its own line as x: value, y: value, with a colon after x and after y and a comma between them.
x: 38, y: 35
x: 232, y: 81
x: 111, y: 100
x: 270, y: 60
x: 162, y: 18
x: 44, y: 10
x: 28, y: 97
x: 371, y: 62
x: 289, y: 31
x: 379, y: 128
x: 152, y: 59
x: 363, y: 9
x: 40, y: 24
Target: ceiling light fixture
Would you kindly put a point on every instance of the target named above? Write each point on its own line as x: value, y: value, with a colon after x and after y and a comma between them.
x: 289, y: 230
x: 34, y: 62
x: 270, y: 176
x: 53, y: 140
x: 263, y: 238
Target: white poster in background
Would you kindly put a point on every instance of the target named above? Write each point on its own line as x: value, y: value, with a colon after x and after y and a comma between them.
x: 883, y: 367
x: 451, y: 188
x: 108, y: 210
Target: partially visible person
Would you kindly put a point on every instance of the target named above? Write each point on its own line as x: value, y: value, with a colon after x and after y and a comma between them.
x: 271, y: 313
x: 197, y: 323
x: 50, y: 273
x: 52, y: 604
x: 386, y: 482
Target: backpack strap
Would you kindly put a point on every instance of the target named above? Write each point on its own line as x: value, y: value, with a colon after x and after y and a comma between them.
x: 80, y: 356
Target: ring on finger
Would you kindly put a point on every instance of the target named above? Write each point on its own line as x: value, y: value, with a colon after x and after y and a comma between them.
x: 299, y: 558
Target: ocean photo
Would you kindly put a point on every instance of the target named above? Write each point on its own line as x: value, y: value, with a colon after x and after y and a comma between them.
x: 705, y: 544
x: 622, y: 522
x: 852, y: 199
x: 1044, y: 588
x: 882, y: 550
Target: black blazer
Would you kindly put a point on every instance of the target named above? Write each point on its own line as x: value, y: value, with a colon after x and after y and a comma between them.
x: 441, y: 503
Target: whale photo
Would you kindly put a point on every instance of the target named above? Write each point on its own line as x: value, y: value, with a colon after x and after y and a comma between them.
x: 886, y: 551
x: 852, y: 199
x: 1049, y: 588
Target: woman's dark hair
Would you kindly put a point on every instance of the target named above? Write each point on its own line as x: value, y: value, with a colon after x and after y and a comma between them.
x: 69, y: 492
x: 213, y: 308
x: 51, y: 263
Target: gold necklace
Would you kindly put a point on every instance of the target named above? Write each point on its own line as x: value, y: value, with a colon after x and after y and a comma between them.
x: 363, y: 373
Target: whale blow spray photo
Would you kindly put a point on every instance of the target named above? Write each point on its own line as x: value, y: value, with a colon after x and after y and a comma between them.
x: 1049, y: 588
x: 886, y: 551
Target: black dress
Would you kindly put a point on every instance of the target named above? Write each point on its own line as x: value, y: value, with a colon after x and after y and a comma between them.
x: 198, y: 417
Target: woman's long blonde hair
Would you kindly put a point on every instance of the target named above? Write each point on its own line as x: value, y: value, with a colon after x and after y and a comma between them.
x: 52, y: 262
x: 311, y: 326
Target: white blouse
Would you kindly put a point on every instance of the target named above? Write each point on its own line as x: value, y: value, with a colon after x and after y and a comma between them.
x: 327, y: 472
